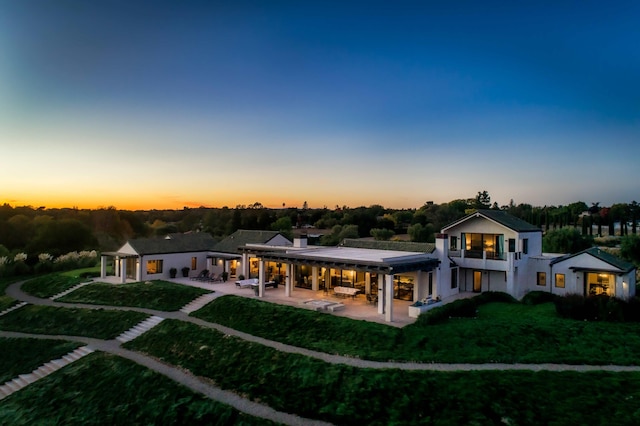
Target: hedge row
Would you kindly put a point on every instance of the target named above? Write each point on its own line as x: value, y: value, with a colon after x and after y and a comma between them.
x: 463, y: 308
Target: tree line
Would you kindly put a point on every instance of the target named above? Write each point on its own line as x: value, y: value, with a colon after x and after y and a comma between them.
x: 34, y: 231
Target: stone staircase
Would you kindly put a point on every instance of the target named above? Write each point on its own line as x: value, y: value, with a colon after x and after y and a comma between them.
x: 13, y: 308
x: 44, y: 370
x: 74, y: 288
x: 137, y: 330
x: 198, y: 303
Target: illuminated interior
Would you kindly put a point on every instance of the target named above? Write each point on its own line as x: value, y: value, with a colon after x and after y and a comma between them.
x: 600, y: 283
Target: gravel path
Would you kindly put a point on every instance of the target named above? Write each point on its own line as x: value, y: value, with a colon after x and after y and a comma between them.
x: 245, y: 405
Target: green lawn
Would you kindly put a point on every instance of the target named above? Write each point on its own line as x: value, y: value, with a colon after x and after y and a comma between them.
x: 503, y: 332
x: 347, y: 395
x: 51, y: 284
x: 22, y: 356
x: 6, y: 302
x: 101, y: 389
x: 98, y: 323
x: 161, y: 295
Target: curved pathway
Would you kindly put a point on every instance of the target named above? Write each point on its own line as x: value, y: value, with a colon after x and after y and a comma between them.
x: 245, y: 405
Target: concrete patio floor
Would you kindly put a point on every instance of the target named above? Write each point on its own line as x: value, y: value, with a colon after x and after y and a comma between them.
x: 355, y: 308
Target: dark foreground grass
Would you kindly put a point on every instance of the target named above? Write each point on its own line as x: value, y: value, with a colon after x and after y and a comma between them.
x: 348, y: 395
x: 98, y: 323
x: 50, y: 284
x: 22, y: 356
x: 6, y: 302
x: 160, y: 295
x: 105, y: 390
x: 502, y: 332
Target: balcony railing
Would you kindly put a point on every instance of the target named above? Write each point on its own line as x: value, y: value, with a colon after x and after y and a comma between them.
x: 479, y: 254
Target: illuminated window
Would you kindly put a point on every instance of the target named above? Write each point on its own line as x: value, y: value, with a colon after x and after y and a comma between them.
x: 154, y: 266
x: 560, y: 280
x: 194, y: 263
x: 542, y: 279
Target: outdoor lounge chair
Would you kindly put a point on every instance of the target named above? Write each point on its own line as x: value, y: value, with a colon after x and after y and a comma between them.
x: 203, y: 275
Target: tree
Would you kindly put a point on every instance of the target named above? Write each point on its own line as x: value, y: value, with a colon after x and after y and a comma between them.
x: 421, y: 233
x: 565, y: 240
x: 382, y: 234
x: 284, y: 226
x: 339, y: 233
x: 630, y: 248
x: 483, y: 200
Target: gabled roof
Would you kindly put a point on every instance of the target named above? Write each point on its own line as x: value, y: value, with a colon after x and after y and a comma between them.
x: 174, y: 243
x: 242, y: 237
x: 501, y: 217
x: 389, y: 245
x: 604, y: 256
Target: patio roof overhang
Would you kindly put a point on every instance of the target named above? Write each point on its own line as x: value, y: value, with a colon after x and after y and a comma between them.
x: 224, y: 256
x: 391, y: 267
x: 602, y: 270
x: 119, y: 254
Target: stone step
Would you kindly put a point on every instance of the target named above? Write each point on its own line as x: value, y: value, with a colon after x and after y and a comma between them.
x: 13, y: 308
x: 13, y: 386
x: 29, y: 378
x: 20, y: 381
x: 4, y: 393
x: 83, y: 350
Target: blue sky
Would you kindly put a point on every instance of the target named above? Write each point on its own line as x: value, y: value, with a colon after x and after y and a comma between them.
x: 171, y: 104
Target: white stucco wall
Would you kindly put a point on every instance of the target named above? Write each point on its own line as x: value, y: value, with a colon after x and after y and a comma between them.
x: 174, y: 260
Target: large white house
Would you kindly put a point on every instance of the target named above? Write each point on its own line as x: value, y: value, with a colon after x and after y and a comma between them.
x: 487, y: 250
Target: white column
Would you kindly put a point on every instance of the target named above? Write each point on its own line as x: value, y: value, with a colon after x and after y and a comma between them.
x: 123, y: 270
x: 388, y: 311
x: 380, y: 294
x: 261, y: 278
x: 417, y: 286
x: 139, y: 269
x: 367, y: 283
x: 287, y: 280
x: 103, y: 266
x: 315, y: 286
x: 245, y: 265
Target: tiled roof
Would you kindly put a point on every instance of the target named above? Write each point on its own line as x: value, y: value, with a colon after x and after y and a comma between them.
x: 241, y: 237
x: 502, y: 218
x: 603, y: 256
x: 174, y: 243
x: 390, y: 245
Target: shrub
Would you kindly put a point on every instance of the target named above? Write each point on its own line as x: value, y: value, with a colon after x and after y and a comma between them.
x: 538, y: 297
x: 461, y: 308
x: 494, y: 296
x: 596, y: 308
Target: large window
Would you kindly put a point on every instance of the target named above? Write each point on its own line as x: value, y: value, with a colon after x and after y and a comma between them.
x: 542, y: 279
x: 525, y: 245
x: 600, y: 283
x: 194, y: 263
x: 154, y: 266
x: 560, y: 280
x: 403, y: 287
x: 454, y: 278
x: 453, y: 244
x: 491, y: 244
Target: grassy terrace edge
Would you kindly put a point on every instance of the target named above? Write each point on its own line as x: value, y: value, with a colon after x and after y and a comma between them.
x: 502, y: 332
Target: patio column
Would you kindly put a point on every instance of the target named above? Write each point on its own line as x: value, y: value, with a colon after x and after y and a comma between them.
x: 139, y: 269
x: 417, y: 285
x: 261, y: 278
x: 123, y: 270
x: 380, y: 294
x: 367, y: 283
x: 314, y: 278
x: 103, y: 266
x: 388, y: 311
x: 245, y: 265
x: 287, y: 280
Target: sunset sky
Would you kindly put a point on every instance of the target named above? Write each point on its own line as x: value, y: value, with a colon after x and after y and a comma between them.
x: 165, y: 104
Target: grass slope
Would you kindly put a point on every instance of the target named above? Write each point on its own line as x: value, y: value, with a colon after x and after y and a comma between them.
x: 50, y: 284
x: 160, y: 295
x: 98, y: 323
x: 22, y: 356
x: 502, y: 332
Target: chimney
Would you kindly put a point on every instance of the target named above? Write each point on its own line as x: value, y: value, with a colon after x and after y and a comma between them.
x: 301, y: 241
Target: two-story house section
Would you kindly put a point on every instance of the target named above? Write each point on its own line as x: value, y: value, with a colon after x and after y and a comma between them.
x: 488, y: 250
